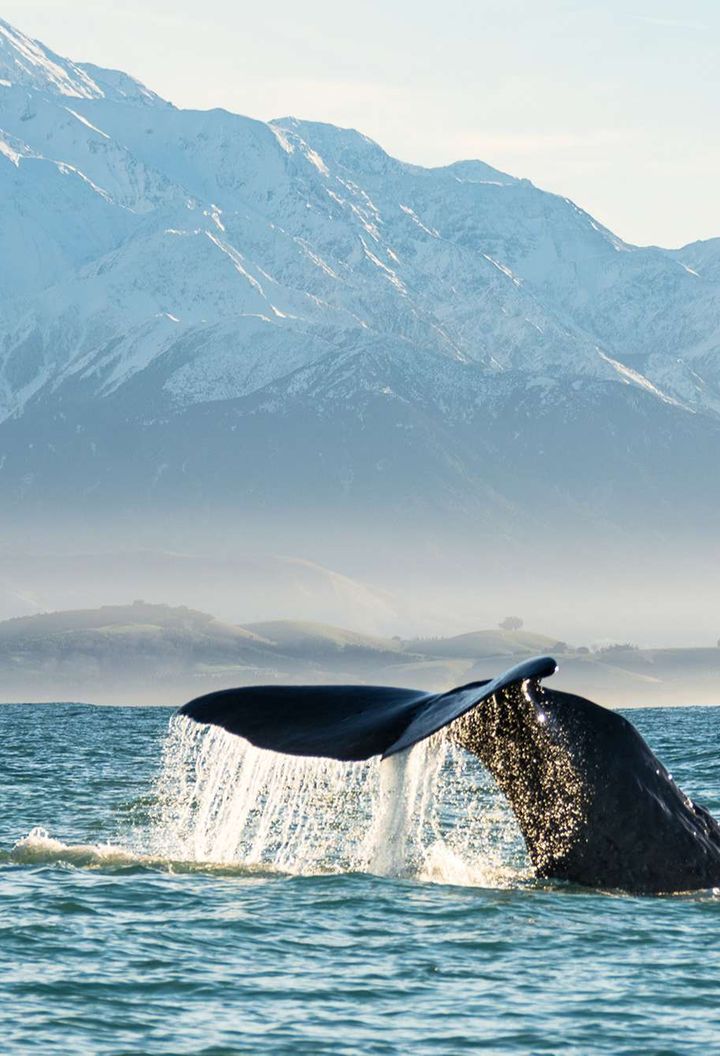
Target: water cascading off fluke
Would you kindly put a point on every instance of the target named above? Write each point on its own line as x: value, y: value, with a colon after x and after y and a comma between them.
x: 430, y: 812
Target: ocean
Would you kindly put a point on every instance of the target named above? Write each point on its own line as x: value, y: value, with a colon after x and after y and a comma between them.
x: 165, y: 888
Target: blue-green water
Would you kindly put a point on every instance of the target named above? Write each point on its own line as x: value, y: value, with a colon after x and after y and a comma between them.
x: 116, y: 937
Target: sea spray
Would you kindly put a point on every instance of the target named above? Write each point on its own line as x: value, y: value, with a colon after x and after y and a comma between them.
x: 431, y: 812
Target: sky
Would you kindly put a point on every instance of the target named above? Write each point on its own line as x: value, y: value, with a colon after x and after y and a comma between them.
x: 615, y: 104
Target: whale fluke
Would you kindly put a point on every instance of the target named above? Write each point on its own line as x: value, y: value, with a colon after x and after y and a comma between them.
x: 594, y: 804
x: 347, y: 722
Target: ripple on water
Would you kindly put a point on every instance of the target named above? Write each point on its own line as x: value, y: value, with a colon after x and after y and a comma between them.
x: 124, y: 929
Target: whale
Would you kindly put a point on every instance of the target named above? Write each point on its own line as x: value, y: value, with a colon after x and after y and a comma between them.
x: 596, y: 808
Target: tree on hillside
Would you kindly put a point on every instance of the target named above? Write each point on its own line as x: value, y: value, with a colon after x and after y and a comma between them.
x: 511, y: 623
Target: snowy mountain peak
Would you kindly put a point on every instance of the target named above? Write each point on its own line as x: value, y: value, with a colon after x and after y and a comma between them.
x: 29, y: 64
x: 474, y: 171
x: 345, y: 147
x: 120, y: 86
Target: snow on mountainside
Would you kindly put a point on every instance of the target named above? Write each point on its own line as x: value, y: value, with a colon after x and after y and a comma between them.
x: 29, y: 64
x: 209, y: 275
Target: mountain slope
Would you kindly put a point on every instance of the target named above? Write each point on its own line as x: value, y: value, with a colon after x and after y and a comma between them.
x: 204, y: 311
x: 29, y: 64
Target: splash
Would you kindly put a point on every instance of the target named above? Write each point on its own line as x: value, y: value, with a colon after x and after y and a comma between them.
x: 431, y: 813
x: 40, y: 848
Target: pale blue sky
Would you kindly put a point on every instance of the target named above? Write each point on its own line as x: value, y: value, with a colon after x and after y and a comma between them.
x: 615, y: 104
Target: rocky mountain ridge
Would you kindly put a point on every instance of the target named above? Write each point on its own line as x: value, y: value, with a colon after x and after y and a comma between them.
x: 197, y: 308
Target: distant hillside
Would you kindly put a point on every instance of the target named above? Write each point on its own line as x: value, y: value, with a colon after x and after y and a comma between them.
x: 146, y: 653
x: 121, y: 620
x: 485, y: 643
x: 158, y: 653
x: 305, y: 637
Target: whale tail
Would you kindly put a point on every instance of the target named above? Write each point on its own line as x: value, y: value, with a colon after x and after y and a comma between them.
x: 348, y: 722
x: 593, y: 803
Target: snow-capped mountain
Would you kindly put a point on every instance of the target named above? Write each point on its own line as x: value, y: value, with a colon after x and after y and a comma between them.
x: 199, y: 308
x: 29, y: 64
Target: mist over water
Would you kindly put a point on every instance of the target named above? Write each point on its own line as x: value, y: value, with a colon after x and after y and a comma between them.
x: 373, y: 574
x: 166, y: 888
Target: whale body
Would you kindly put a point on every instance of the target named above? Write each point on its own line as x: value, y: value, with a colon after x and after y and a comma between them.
x: 594, y: 804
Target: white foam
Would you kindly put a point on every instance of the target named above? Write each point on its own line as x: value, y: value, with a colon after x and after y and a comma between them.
x: 39, y: 847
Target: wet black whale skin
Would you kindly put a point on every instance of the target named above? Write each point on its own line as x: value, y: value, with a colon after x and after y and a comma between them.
x: 347, y: 722
x: 594, y: 804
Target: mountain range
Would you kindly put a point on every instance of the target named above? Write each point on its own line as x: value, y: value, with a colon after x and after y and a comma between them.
x: 209, y: 320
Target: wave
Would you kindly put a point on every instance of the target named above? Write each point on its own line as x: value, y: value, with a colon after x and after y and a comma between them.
x: 40, y: 848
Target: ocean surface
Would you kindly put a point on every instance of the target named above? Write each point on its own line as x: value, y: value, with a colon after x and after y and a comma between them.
x: 167, y: 889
